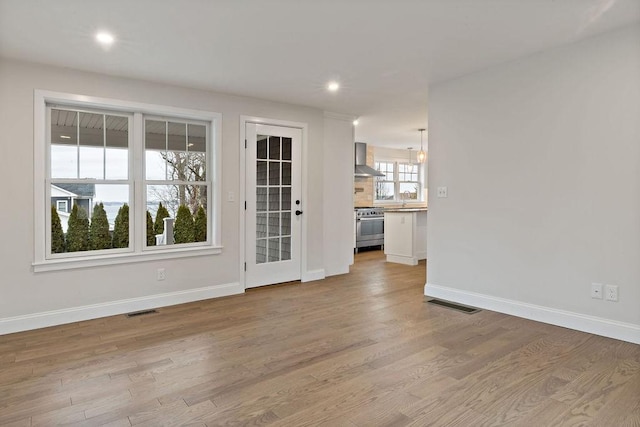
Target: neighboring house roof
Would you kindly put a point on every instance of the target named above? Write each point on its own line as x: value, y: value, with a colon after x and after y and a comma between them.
x: 60, y: 192
x: 81, y: 190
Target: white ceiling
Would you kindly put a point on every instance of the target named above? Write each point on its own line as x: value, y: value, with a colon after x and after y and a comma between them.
x: 384, y: 53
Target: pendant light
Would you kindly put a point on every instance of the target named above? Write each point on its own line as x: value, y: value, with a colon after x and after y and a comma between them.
x: 410, y: 148
x: 422, y: 155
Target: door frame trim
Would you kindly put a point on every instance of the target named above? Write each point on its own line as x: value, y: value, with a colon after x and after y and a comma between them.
x: 304, y: 127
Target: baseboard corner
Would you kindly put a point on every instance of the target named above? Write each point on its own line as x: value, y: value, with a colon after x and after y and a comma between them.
x: 577, y: 321
x: 313, y: 275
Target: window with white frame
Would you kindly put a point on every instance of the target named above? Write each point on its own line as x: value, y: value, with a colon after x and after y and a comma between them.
x: 385, y: 185
x: 144, y: 177
x: 61, y: 206
x: 408, y: 181
x: 401, y: 181
x: 176, y: 175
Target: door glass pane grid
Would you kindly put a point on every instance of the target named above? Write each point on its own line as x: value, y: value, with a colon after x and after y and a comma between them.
x: 285, y: 248
x: 274, y: 173
x: 261, y: 199
x: 274, y: 224
x: 261, y: 173
x: 261, y: 251
x: 261, y: 225
x: 285, y: 224
x: 274, y: 147
x: 274, y: 250
x: 286, y: 148
x: 273, y: 199
x: 286, y: 172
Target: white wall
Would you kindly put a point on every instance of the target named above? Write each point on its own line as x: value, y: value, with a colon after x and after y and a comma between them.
x: 25, y: 295
x: 541, y: 158
x: 338, y: 193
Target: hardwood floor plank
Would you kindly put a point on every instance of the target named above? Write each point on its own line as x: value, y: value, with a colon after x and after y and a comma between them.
x: 624, y: 409
x: 371, y: 386
x: 518, y: 401
x: 57, y: 417
x: 383, y: 412
x: 20, y: 423
x: 25, y: 408
x: 100, y: 416
x: 589, y: 393
x: 544, y: 414
x: 451, y: 416
x: 175, y: 413
x: 360, y: 349
x: 124, y: 422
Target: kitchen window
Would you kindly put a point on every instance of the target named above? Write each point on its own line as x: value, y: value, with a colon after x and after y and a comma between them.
x: 385, y: 185
x: 143, y: 180
x: 401, y: 182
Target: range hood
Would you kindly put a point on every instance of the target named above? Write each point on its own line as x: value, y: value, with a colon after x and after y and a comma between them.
x: 361, y: 168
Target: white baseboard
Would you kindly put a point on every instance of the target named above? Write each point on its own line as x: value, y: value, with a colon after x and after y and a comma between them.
x: 581, y: 322
x: 336, y: 272
x: 27, y: 322
x: 407, y: 260
x: 312, y: 275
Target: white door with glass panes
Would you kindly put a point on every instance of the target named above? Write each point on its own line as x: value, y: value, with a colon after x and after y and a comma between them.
x: 274, y: 207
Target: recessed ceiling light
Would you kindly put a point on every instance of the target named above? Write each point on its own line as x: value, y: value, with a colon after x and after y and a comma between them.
x: 333, y: 86
x: 104, y: 38
x: 355, y: 122
x: 65, y: 137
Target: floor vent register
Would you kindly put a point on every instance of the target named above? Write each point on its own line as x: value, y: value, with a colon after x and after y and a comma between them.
x: 454, y: 306
x: 141, y: 313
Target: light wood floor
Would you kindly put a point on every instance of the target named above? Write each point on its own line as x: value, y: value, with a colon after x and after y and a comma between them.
x: 362, y: 349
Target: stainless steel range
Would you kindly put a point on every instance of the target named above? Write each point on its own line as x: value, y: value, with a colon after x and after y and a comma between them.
x: 369, y: 227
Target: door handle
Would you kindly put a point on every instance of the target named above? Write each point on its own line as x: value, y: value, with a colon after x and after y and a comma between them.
x: 298, y: 212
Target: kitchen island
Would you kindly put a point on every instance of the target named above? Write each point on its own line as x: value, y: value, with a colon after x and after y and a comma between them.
x: 405, y: 235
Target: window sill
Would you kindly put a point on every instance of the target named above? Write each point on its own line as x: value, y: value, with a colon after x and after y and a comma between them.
x: 124, y: 258
x: 396, y: 203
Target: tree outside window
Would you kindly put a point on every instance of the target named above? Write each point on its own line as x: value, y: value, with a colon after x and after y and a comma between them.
x: 91, y: 162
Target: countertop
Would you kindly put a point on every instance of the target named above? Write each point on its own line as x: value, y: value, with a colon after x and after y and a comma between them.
x: 400, y: 210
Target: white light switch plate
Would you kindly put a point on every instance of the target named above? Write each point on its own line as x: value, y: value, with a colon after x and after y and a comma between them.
x: 442, y: 192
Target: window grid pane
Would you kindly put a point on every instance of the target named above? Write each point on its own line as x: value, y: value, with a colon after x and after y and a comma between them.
x: 406, y: 182
x: 273, y: 196
x: 384, y: 186
x: 87, y: 147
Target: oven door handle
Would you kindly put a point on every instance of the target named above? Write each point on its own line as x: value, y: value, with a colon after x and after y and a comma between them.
x: 379, y: 218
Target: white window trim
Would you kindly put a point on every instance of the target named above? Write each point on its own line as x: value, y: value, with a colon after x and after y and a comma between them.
x: 396, y: 182
x: 66, y: 206
x: 139, y: 253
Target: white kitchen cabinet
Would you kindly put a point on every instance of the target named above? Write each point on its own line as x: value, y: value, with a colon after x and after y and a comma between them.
x: 405, y: 235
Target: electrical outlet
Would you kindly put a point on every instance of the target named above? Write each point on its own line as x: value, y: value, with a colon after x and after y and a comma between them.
x: 442, y: 192
x: 596, y: 290
x: 611, y: 292
x: 161, y: 274
x: 231, y: 196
